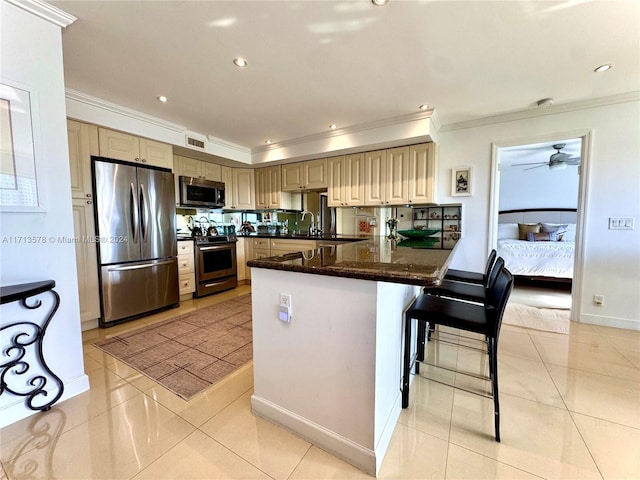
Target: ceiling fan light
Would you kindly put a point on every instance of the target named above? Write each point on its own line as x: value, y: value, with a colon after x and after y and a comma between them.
x: 557, y: 166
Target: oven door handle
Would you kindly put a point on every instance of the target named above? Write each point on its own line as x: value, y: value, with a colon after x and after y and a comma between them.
x: 217, y: 247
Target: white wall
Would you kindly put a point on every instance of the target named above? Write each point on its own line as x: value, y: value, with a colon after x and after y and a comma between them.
x: 538, y: 188
x: 32, y: 56
x: 612, y: 257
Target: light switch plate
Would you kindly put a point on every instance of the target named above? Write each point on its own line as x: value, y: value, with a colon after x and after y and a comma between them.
x: 621, y: 223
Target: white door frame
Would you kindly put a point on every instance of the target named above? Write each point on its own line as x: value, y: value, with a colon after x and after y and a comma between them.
x: 583, y: 187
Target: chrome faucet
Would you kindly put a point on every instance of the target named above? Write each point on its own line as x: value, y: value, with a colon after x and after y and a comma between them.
x: 312, y: 225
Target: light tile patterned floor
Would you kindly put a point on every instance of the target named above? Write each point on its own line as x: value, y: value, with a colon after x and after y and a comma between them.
x: 570, y: 409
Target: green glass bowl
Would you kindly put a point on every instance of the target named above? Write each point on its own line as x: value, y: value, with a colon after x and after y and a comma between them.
x: 417, y: 233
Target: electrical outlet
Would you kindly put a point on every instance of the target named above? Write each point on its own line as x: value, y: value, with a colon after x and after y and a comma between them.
x: 598, y: 300
x: 285, y: 300
x: 621, y: 223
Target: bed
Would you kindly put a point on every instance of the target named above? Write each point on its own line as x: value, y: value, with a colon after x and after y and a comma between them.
x: 538, y: 244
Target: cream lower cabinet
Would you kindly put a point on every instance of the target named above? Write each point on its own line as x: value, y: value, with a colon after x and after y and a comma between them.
x: 241, y: 259
x: 186, y: 270
x: 283, y: 246
x: 86, y: 262
x: 122, y: 146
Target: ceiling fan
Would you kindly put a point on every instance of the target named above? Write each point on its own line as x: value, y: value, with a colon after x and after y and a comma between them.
x: 557, y: 161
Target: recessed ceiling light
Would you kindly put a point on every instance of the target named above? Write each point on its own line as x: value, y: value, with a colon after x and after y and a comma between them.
x: 545, y: 102
x: 268, y: 142
x: 424, y: 107
x: 603, y: 68
x: 379, y: 3
x: 240, y: 62
x: 163, y: 99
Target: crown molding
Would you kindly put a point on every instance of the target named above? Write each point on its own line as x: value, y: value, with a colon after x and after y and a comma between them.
x: 387, y: 122
x: 45, y: 11
x: 120, y: 110
x: 542, y: 111
x: 224, y: 144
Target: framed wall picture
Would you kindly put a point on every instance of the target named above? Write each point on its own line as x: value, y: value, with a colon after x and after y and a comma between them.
x: 19, y: 186
x: 461, y: 178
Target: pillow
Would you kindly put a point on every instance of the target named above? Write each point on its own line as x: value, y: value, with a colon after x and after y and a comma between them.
x: 559, y: 228
x: 507, y: 230
x: 542, y: 237
x: 524, y: 228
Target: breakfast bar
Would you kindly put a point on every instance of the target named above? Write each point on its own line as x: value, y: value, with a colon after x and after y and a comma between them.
x: 328, y: 363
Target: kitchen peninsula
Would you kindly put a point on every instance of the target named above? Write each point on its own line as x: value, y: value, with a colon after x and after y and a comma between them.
x: 333, y: 372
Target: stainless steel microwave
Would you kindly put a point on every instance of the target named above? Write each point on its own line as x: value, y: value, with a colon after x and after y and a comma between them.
x: 197, y: 192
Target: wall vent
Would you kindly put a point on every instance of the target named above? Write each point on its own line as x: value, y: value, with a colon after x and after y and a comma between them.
x: 194, y: 142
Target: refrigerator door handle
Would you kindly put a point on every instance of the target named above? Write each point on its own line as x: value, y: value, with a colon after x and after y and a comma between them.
x: 138, y: 267
x: 135, y: 213
x: 144, y: 225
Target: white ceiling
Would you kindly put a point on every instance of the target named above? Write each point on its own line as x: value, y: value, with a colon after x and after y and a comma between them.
x: 314, y: 63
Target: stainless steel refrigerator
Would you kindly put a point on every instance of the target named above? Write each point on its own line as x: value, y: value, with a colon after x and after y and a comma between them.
x: 136, y: 229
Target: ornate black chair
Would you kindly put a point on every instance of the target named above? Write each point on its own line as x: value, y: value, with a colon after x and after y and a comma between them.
x: 484, y: 319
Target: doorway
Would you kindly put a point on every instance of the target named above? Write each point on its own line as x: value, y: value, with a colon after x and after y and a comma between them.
x: 541, y: 181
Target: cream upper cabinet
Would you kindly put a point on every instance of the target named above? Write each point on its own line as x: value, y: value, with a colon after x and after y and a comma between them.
x: 239, y: 188
x: 190, y: 167
x: 375, y: 182
x: 346, y: 181
x: 269, y: 194
x: 309, y: 175
x: 315, y: 174
x: 83, y: 142
x: 397, y: 191
x: 335, y: 182
x: 354, y: 179
x: 263, y: 187
x: 122, y: 146
x: 422, y: 174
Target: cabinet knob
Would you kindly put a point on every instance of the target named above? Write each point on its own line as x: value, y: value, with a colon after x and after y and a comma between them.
x: 144, y: 160
x: 137, y: 159
x: 88, y: 195
x: 89, y: 202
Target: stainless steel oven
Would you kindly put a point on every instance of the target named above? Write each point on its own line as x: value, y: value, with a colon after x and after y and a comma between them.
x: 216, y: 268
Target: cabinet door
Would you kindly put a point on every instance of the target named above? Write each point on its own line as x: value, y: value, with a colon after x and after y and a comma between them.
x: 354, y: 179
x: 156, y: 153
x: 397, y: 173
x: 83, y: 142
x: 314, y: 174
x: 243, y: 189
x: 375, y: 178
x: 422, y: 175
x: 211, y: 171
x: 274, y: 199
x: 241, y: 260
x: 262, y: 187
x: 292, y: 177
x: 86, y: 260
x: 187, y: 167
x: 229, y: 191
x: 118, y: 145
x: 335, y: 182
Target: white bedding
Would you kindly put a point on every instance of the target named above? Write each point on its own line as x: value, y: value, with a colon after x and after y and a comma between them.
x: 540, y: 259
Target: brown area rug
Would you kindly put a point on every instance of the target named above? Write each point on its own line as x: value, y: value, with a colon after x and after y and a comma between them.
x: 189, y: 353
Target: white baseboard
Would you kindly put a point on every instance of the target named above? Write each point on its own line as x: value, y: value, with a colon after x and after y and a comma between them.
x: 17, y: 410
x: 351, y: 452
x: 610, y: 321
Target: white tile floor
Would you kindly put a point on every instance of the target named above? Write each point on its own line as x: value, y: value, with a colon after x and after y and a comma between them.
x: 570, y: 409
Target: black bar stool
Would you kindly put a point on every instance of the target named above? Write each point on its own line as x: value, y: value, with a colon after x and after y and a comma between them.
x: 484, y: 319
x: 472, y: 277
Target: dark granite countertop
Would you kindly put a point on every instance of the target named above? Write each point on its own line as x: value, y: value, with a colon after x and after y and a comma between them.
x: 376, y: 259
x: 302, y: 236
